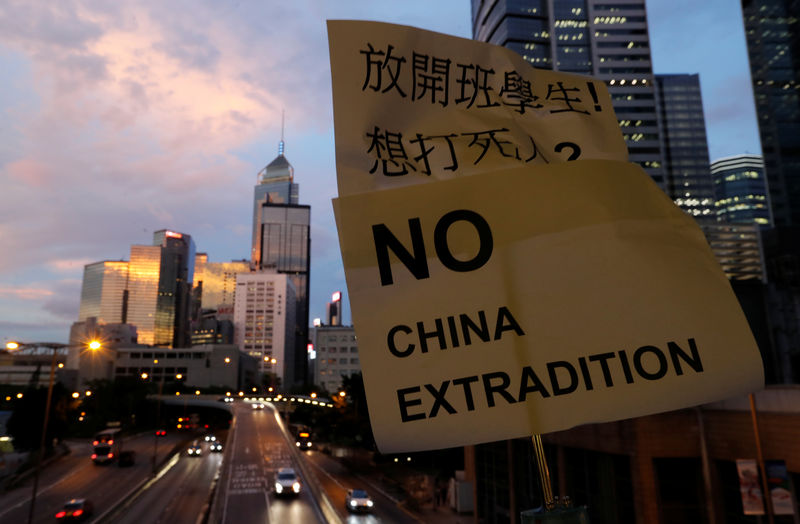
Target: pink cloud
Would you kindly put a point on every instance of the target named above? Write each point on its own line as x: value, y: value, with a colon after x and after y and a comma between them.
x: 25, y: 293
x: 29, y: 172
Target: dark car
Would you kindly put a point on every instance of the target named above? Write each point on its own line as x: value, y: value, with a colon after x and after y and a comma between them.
x: 127, y: 458
x: 195, y: 450
x: 75, y: 510
x: 215, y: 447
x: 161, y: 433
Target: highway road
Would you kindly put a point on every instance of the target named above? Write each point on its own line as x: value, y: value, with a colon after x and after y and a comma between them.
x: 76, y: 476
x: 258, y: 449
x: 178, y: 496
x: 336, y: 480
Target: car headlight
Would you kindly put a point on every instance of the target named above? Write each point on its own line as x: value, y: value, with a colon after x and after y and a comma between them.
x: 297, y: 444
x: 369, y: 503
x: 308, y: 444
x: 353, y: 503
x: 278, y: 487
x: 296, y: 487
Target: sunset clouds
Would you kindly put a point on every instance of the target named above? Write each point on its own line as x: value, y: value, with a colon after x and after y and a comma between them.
x: 121, y: 118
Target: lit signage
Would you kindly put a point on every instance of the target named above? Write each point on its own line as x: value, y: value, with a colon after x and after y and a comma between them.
x: 173, y: 234
x: 317, y: 322
x: 336, y: 297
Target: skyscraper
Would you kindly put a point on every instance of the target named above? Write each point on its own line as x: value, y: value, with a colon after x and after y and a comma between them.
x: 683, y: 133
x: 104, y: 292
x: 772, y: 29
x: 276, y: 186
x: 159, y: 289
x: 282, y: 241
x: 741, y: 190
x: 606, y: 40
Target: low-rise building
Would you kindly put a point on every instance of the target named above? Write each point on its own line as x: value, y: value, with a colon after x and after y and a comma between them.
x: 336, y: 355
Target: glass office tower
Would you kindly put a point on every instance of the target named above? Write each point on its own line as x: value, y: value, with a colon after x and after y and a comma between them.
x: 285, y: 246
x: 741, y: 190
x: 159, y: 289
x: 276, y: 186
x: 683, y: 133
x: 282, y: 241
x: 772, y: 29
x: 103, y: 293
x: 608, y: 41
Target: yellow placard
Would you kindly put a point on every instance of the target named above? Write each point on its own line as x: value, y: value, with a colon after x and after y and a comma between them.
x: 412, y: 106
x: 533, y: 300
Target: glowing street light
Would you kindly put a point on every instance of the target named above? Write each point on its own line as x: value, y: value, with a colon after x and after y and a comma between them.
x: 76, y: 395
x: 88, y: 393
x: 11, y: 346
x: 144, y: 376
x: 94, y: 345
x: 227, y: 360
x: 313, y: 395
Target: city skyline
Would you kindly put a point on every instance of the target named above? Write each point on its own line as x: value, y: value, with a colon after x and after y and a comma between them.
x: 129, y: 120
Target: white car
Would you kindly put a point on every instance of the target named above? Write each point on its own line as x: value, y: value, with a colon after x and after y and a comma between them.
x: 286, y: 482
x: 358, y: 500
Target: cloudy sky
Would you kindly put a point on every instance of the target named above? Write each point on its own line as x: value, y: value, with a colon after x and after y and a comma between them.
x: 122, y: 118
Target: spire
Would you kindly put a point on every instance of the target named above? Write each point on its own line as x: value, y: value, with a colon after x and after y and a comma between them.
x: 281, y: 145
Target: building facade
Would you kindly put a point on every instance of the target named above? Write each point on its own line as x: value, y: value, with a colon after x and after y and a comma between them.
x: 217, y: 281
x: 282, y: 242
x: 214, y: 365
x: 608, y: 41
x: 740, y: 189
x: 104, y: 291
x: 159, y: 289
x: 152, y: 290
x: 336, y: 356
x: 685, y: 146
x: 276, y: 186
x: 264, y: 321
x: 772, y: 30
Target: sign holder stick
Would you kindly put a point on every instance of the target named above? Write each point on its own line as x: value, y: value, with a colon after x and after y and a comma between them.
x: 544, y: 472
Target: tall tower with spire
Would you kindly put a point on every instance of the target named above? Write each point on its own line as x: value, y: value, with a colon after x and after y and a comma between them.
x: 282, y: 243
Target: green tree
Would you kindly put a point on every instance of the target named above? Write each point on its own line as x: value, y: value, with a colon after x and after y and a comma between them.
x: 27, y: 418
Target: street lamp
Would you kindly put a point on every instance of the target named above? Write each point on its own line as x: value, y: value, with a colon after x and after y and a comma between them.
x: 93, y: 345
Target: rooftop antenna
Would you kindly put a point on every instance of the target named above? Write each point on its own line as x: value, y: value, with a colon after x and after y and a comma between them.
x: 280, y: 145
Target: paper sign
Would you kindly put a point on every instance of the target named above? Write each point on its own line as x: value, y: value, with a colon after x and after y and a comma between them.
x: 780, y: 490
x: 412, y: 106
x: 533, y: 300
x: 749, y: 487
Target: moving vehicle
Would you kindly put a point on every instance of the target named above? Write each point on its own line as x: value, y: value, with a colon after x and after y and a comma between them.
x: 210, y: 438
x: 358, y: 500
x: 106, y: 446
x: 75, y: 510
x: 195, y: 450
x: 303, y: 440
x: 161, y: 433
x: 258, y: 405
x: 286, y: 482
x: 215, y: 447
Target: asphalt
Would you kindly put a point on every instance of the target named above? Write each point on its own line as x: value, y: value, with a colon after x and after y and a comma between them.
x: 388, y: 479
